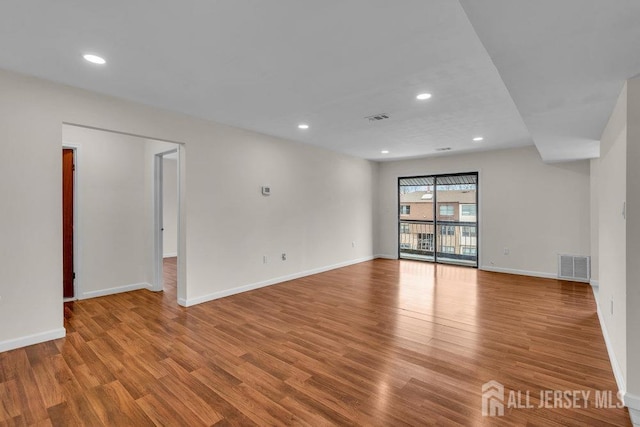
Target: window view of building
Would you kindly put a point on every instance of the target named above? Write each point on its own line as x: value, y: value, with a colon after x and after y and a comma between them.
x: 456, y: 222
x: 469, y: 231
x: 425, y: 241
x: 467, y: 210
x: 469, y: 250
x: 446, y: 210
x: 447, y: 230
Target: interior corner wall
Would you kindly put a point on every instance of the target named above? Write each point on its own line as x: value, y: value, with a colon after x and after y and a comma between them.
x: 112, y: 212
x: 170, y: 207
x: 536, y: 210
x: 611, y: 187
x: 31, y: 226
x: 633, y: 245
x: 375, y: 226
x: 321, y: 202
x: 594, y: 207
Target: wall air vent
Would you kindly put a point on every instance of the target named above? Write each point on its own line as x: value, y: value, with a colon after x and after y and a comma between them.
x: 443, y: 149
x: 572, y: 267
x: 377, y: 117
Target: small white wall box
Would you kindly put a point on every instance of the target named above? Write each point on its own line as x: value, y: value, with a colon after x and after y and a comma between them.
x: 266, y: 190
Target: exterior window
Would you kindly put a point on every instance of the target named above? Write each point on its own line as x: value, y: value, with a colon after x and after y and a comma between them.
x: 447, y: 230
x: 468, y: 210
x: 425, y: 241
x: 469, y: 250
x: 437, y: 218
x: 468, y: 231
x: 446, y: 210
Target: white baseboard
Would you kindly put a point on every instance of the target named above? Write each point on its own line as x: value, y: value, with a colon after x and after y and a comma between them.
x: 633, y: 403
x: 635, y: 416
x: 228, y: 292
x: 117, y: 290
x: 594, y: 283
x: 617, y: 372
x: 519, y: 272
x: 170, y: 255
x: 12, y: 344
x: 386, y: 256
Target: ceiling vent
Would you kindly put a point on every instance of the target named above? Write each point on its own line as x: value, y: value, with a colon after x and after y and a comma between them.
x: 572, y: 267
x: 377, y: 117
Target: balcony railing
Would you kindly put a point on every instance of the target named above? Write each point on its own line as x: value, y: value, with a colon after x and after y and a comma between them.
x: 456, y: 241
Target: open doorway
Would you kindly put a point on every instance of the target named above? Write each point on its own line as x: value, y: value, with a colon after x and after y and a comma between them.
x: 166, y: 179
x: 109, y: 234
x: 68, y: 222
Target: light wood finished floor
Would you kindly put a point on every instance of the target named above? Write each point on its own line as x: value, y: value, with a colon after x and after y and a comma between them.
x: 382, y: 343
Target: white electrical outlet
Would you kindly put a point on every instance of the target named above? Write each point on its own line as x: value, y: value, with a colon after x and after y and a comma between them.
x: 264, y: 259
x: 506, y: 251
x: 353, y: 244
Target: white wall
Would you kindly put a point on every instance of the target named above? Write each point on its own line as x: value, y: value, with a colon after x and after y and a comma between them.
x: 633, y: 247
x: 170, y: 207
x: 321, y: 202
x: 112, y: 212
x: 536, y: 210
x: 594, y: 208
x: 611, y: 185
x: 616, y: 180
x: 31, y: 249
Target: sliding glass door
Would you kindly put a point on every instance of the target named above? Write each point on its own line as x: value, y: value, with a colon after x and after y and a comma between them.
x: 438, y: 219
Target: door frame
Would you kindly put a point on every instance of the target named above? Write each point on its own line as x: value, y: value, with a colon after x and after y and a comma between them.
x: 477, y: 173
x: 158, y: 240
x: 182, y: 220
x: 76, y: 214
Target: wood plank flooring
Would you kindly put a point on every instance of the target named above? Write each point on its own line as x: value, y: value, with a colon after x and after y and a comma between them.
x: 381, y: 343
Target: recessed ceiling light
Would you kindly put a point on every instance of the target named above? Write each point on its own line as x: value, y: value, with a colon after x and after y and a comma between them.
x: 423, y: 96
x: 478, y: 138
x: 94, y: 59
x: 303, y: 126
x: 385, y: 151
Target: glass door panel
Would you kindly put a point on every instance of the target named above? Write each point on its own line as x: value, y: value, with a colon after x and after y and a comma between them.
x: 456, y: 219
x: 438, y: 218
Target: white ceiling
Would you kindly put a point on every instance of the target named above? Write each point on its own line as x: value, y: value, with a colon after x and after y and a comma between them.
x: 269, y: 65
x: 564, y: 63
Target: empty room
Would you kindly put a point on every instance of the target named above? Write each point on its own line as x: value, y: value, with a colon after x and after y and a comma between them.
x: 320, y: 213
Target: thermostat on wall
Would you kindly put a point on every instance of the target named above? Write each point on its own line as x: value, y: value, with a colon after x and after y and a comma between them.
x: 266, y: 190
